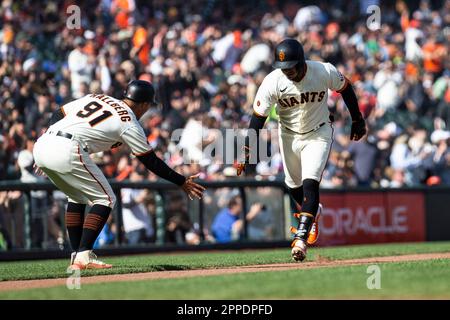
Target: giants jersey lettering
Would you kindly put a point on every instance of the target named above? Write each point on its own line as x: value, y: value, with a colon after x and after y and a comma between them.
x: 101, y: 122
x: 301, y: 106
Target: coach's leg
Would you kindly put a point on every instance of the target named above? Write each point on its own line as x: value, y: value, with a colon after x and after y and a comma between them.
x: 76, y: 206
x: 74, y: 223
x: 93, y: 225
x: 93, y: 184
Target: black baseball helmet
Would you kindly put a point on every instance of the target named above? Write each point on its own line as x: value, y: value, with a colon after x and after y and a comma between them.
x: 140, y: 91
x: 288, y: 53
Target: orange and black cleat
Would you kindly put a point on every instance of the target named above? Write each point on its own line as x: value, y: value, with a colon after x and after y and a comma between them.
x: 314, y: 232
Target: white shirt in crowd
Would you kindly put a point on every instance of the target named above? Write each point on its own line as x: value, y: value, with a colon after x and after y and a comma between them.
x: 136, y: 217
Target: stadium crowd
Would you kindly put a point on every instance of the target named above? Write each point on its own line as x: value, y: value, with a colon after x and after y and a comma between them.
x: 207, y: 59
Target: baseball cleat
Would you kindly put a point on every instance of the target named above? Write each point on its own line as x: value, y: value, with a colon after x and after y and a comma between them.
x: 72, y: 257
x: 88, y: 260
x: 314, y: 232
x: 298, y: 250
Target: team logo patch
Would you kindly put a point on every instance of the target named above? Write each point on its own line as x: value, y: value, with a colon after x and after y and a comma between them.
x: 281, y: 55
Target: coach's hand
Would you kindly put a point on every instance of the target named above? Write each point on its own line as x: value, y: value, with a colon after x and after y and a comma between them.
x: 358, y: 129
x: 193, y: 189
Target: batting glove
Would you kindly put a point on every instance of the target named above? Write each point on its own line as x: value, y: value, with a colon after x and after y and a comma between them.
x: 240, y: 167
x: 358, y: 129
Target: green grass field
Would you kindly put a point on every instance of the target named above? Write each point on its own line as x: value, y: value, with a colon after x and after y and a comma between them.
x: 420, y: 279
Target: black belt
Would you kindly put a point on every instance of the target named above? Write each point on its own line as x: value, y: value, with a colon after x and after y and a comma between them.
x: 314, y: 129
x: 67, y: 136
x: 64, y: 135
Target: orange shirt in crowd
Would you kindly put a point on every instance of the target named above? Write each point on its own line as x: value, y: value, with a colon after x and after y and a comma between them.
x: 140, y: 39
x: 122, y: 10
x: 433, y: 53
x: 447, y: 95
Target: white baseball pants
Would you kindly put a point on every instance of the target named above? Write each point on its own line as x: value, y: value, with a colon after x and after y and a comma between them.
x: 305, y: 156
x: 71, y: 169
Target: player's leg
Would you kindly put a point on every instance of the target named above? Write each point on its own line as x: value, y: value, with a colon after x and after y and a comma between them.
x: 93, y: 184
x: 54, y: 155
x: 290, y: 155
x: 292, y: 164
x: 297, y: 195
x: 76, y: 208
x: 315, y: 156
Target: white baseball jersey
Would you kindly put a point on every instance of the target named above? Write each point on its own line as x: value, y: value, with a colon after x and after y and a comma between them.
x: 96, y: 123
x: 101, y: 122
x: 305, y: 135
x: 301, y: 106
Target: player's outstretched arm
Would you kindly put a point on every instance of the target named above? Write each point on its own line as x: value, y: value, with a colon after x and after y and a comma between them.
x: 159, y: 167
x: 358, y: 129
x: 256, y: 123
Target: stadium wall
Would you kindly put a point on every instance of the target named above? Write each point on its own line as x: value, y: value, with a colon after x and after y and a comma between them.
x: 350, y: 216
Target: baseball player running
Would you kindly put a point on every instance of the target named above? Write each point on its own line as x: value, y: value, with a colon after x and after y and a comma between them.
x: 299, y: 89
x: 91, y: 124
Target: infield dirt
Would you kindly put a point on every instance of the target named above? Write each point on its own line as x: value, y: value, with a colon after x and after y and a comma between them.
x: 320, y: 262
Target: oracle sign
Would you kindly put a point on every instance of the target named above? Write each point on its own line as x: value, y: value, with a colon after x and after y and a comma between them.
x: 352, y: 218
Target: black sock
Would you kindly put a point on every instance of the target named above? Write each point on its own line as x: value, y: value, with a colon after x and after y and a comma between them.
x: 310, y: 202
x: 74, y: 223
x: 93, y: 225
x: 297, y: 195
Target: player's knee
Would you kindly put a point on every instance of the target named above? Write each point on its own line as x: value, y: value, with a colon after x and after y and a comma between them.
x: 291, y: 183
x: 108, y: 201
x: 113, y: 200
x: 311, y: 184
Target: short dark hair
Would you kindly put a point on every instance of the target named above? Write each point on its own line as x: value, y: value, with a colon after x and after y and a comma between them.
x: 233, y: 201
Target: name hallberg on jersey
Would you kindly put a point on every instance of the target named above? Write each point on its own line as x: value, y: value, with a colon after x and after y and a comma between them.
x: 305, y: 97
x: 121, y: 111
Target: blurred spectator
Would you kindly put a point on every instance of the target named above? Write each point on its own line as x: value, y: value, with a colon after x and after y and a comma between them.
x: 80, y: 66
x: 107, y: 235
x: 228, y: 225
x: 137, y: 223
x: 178, y: 222
x: 364, y: 155
x: 261, y: 227
x: 441, y: 156
x: 38, y: 199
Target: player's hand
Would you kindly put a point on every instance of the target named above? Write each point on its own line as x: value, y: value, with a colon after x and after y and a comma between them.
x: 358, y: 129
x: 38, y: 170
x: 193, y: 189
x: 240, y: 167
